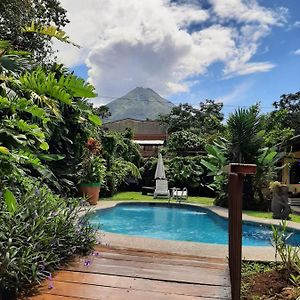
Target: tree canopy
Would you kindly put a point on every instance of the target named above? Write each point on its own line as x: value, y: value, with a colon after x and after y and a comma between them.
x: 16, y: 14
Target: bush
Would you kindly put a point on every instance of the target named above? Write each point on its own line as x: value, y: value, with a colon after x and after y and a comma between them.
x: 37, y: 236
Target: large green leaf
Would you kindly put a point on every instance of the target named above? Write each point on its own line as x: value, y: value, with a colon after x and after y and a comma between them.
x: 209, y: 166
x: 95, y: 119
x: 10, y: 201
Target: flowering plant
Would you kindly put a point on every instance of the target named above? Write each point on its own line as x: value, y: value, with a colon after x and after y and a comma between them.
x: 93, y: 166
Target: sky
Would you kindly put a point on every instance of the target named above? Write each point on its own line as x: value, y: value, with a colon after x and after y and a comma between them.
x: 238, y: 52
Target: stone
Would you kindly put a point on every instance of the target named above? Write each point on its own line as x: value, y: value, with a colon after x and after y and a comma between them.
x: 280, y: 207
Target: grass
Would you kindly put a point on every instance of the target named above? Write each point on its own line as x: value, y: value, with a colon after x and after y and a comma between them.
x: 136, y: 196
x: 268, y: 215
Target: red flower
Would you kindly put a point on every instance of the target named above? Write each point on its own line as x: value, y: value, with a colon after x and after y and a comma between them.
x: 93, y: 145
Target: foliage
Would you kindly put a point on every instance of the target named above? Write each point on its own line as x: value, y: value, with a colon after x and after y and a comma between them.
x: 207, y: 119
x: 185, y: 141
x: 290, y: 103
x: 119, y: 170
x: 37, y: 235
x: 185, y: 172
x: 16, y: 14
x: 181, y: 172
x: 123, y: 158
x: 267, y: 163
x: 288, y: 254
x: 47, y: 108
x: 215, y: 162
x: 93, y: 166
x: 243, y: 135
x: 275, y: 131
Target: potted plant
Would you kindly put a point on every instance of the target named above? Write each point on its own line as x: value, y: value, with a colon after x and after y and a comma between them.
x: 92, y: 171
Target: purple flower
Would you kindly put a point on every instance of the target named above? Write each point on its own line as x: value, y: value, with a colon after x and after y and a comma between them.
x: 51, y: 285
x: 87, y: 262
x: 95, y: 253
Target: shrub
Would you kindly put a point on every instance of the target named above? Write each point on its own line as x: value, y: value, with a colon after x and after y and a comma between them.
x: 38, y: 235
x: 288, y: 254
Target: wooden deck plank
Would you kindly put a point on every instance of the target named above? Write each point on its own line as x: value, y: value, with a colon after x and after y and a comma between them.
x: 136, y: 252
x: 116, y: 274
x: 180, y: 262
x: 100, y: 292
x: 199, y: 276
x: 100, y: 261
x: 144, y: 284
x: 54, y: 297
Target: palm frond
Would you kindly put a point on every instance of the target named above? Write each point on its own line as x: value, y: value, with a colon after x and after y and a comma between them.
x: 50, y: 31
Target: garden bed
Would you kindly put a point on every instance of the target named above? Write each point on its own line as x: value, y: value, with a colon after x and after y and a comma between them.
x: 262, y: 281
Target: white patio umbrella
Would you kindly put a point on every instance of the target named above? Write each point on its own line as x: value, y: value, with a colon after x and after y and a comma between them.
x: 160, y: 169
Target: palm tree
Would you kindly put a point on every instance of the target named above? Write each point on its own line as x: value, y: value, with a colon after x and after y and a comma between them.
x: 244, y: 138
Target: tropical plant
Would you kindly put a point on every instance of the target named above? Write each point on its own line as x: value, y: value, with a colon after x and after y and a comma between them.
x: 16, y: 14
x: 38, y: 232
x: 92, y: 169
x: 288, y: 254
x: 267, y: 167
x: 117, y: 173
x: 185, y: 172
x: 215, y: 162
x: 184, y: 142
x: 243, y: 128
x: 291, y: 105
x: 206, y: 119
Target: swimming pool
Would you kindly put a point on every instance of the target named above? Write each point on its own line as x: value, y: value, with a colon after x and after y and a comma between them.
x: 181, y: 223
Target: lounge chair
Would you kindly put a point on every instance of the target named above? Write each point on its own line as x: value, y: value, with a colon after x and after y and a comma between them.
x: 161, y: 189
x: 294, y: 201
x: 180, y: 195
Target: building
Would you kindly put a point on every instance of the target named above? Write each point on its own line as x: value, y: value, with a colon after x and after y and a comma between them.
x: 291, y: 164
x: 149, y: 135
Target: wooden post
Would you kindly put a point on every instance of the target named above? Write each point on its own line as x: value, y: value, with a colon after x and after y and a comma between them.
x: 235, y: 192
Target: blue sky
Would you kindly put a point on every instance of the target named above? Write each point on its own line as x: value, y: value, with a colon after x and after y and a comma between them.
x: 189, y: 51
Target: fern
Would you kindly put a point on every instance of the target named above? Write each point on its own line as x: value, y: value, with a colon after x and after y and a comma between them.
x: 50, y: 31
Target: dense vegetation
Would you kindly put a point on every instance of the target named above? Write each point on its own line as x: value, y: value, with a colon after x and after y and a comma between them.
x: 247, y: 136
x: 50, y: 141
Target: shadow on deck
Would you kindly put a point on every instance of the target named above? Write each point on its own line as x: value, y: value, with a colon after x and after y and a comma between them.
x: 139, y: 275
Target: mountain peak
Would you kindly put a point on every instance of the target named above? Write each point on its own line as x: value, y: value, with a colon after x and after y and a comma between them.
x: 141, y: 104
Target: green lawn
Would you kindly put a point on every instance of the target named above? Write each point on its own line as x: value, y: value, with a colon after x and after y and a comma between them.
x: 136, y: 196
x: 129, y: 196
x: 268, y: 215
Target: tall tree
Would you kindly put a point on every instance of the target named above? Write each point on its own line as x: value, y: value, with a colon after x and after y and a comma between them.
x: 206, y: 119
x: 16, y: 14
x: 290, y: 103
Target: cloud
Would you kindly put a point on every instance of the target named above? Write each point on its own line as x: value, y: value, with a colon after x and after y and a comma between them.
x: 237, y: 94
x: 248, y: 11
x: 150, y: 43
x: 297, y: 52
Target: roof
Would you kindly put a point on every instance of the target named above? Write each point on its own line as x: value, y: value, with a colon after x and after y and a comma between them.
x: 131, y: 119
x: 149, y: 142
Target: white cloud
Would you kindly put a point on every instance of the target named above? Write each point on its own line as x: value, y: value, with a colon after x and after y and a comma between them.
x: 237, y: 94
x: 146, y: 43
x: 297, y: 52
x: 248, y: 11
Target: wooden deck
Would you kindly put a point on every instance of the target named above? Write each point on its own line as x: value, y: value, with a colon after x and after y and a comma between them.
x: 138, y: 275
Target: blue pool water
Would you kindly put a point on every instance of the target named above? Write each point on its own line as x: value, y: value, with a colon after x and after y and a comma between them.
x: 179, y: 223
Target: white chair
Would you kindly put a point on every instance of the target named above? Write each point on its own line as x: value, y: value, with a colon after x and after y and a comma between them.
x: 161, y: 189
x: 294, y: 201
x: 179, y: 195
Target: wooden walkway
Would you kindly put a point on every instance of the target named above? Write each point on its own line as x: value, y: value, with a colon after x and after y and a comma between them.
x: 115, y: 274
